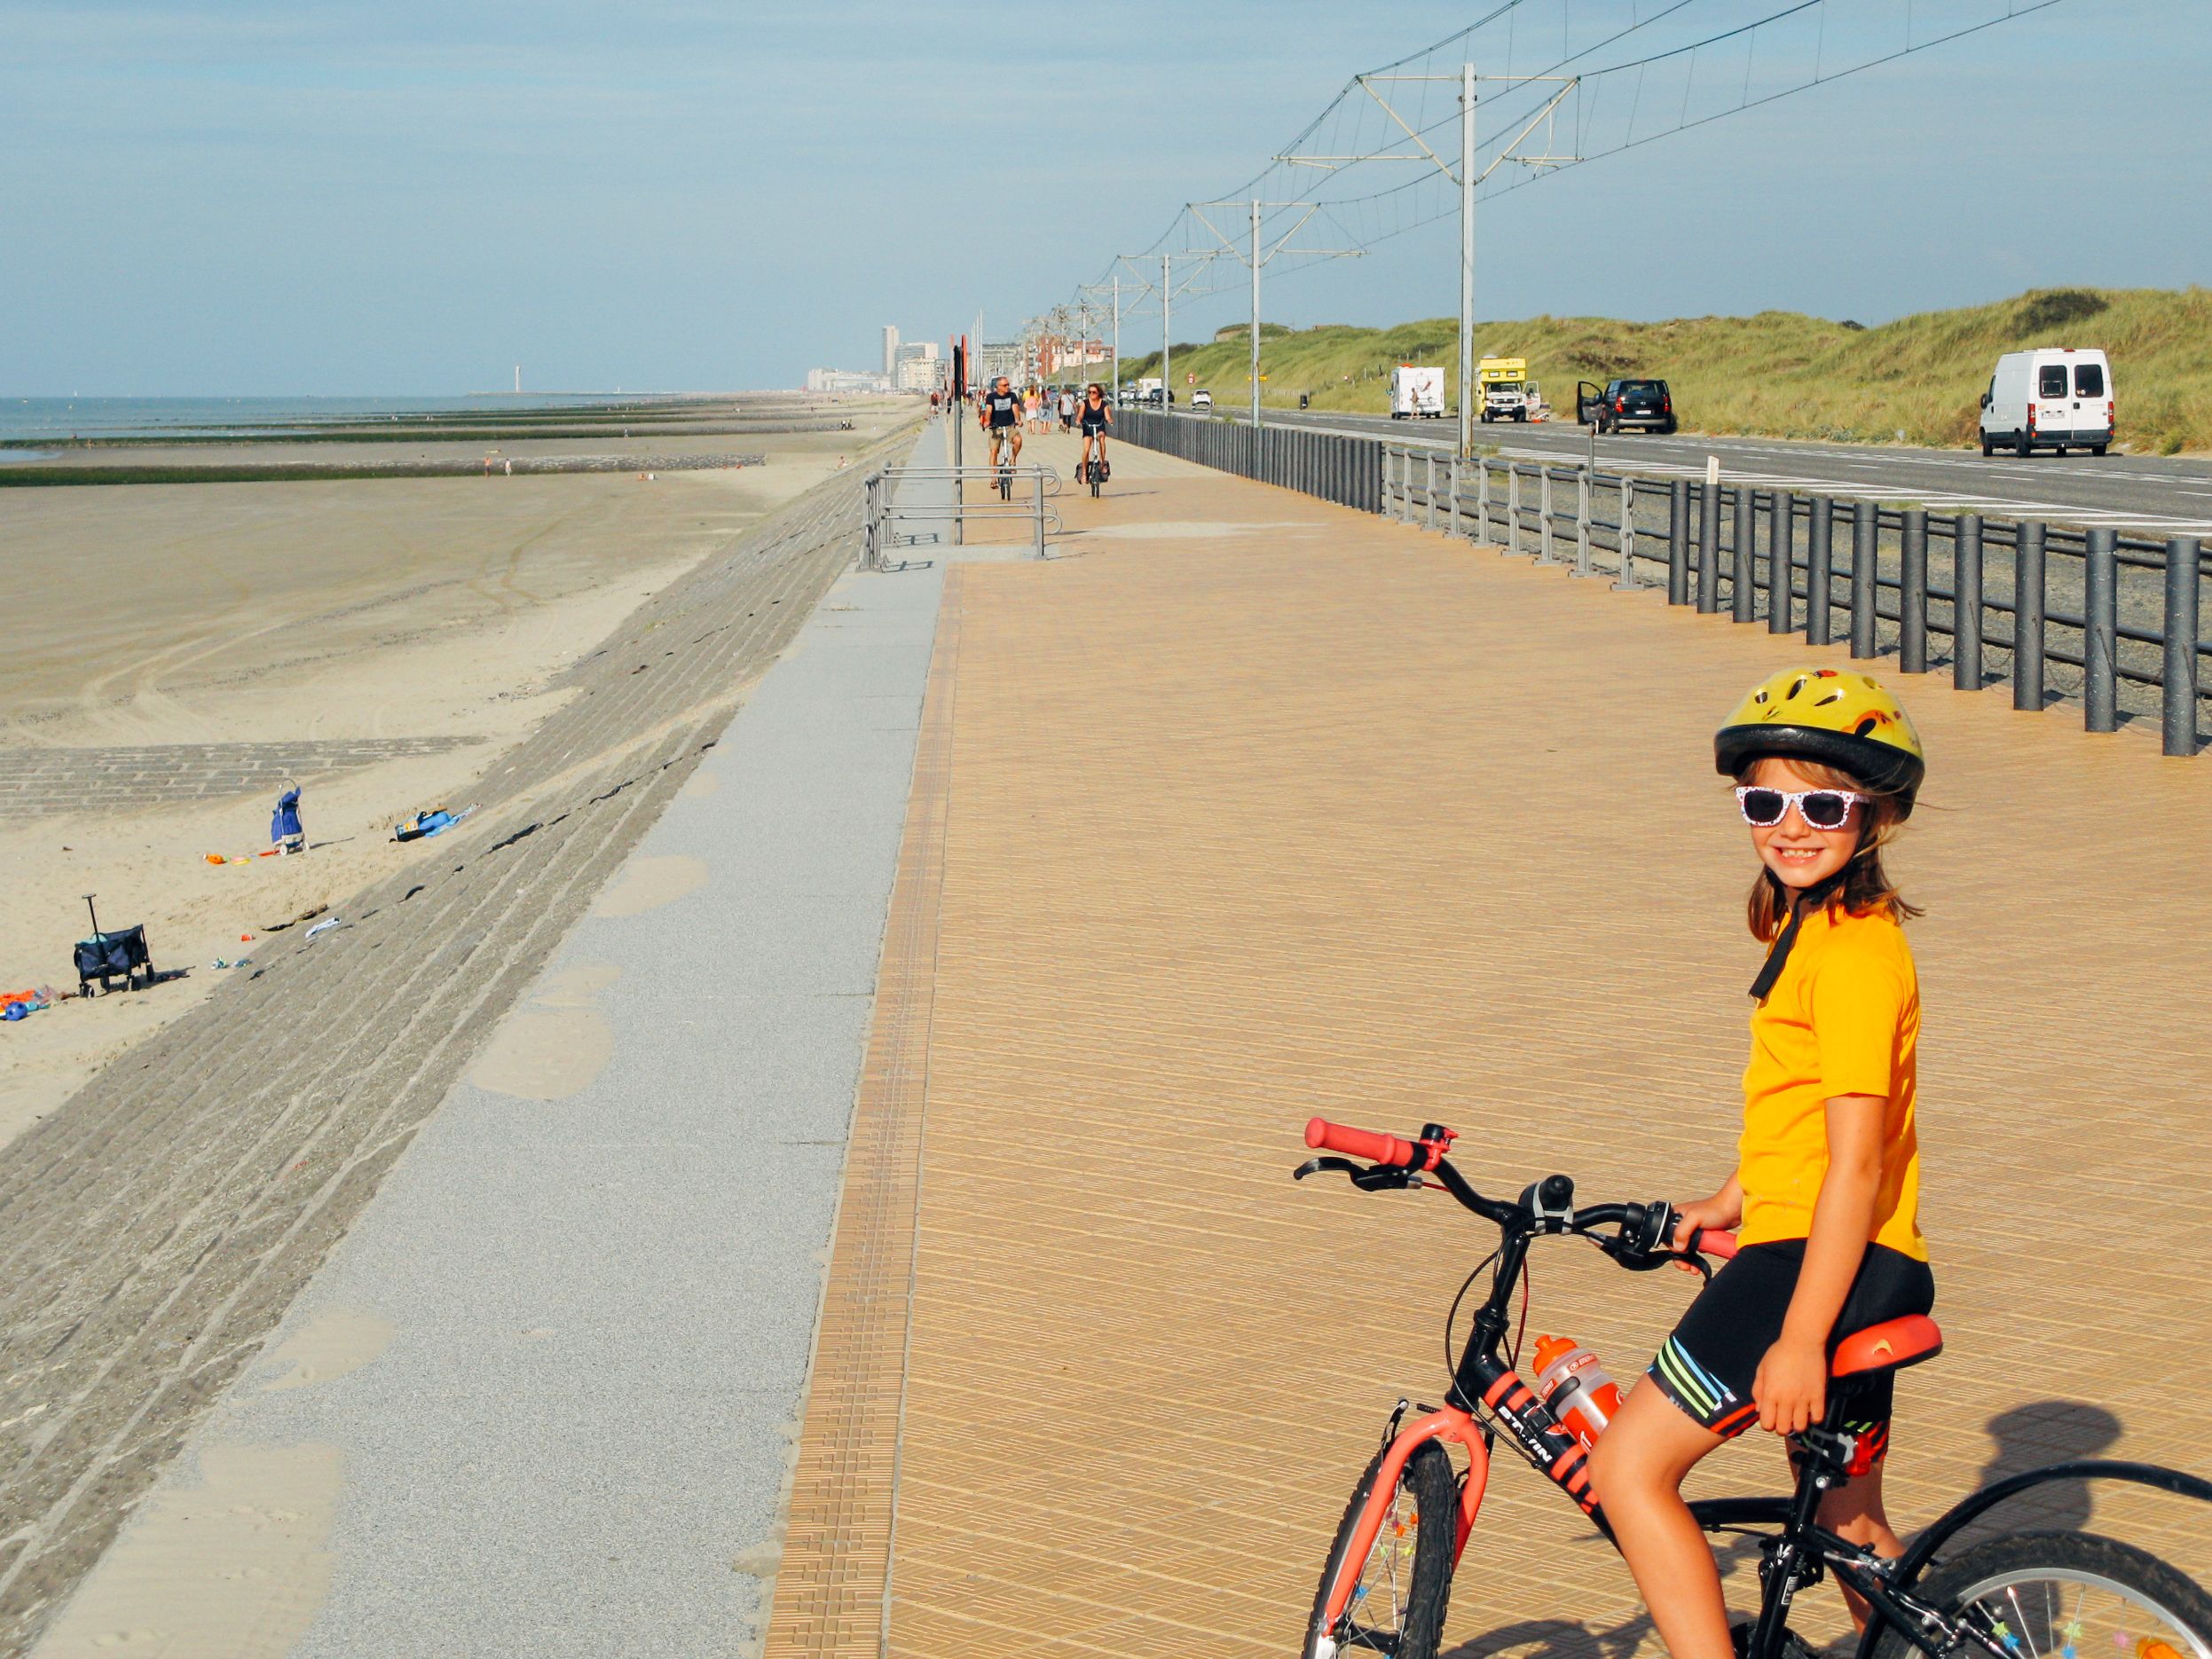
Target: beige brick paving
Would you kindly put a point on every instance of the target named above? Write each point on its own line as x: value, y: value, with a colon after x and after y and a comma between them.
x: 1252, y: 808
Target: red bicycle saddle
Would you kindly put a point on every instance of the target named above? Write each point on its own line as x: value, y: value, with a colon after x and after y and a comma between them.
x: 1891, y: 1345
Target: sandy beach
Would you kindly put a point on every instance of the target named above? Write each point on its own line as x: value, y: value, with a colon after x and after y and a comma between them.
x: 387, y: 639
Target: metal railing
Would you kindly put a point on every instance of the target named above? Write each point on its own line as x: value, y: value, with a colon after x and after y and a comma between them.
x: 1337, y: 467
x: 2127, y: 612
x: 887, y: 502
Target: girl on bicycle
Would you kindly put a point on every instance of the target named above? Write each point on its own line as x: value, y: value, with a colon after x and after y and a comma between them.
x: 1826, y: 1187
x: 1093, y: 416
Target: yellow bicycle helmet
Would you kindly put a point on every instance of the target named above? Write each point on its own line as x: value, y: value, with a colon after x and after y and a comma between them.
x: 1835, y: 717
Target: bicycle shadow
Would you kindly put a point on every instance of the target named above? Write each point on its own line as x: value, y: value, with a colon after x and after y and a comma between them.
x: 2030, y: 1436
x: 1571, y: 1638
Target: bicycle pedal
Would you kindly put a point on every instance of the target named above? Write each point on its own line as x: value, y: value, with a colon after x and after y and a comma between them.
x: 1793, y: 1646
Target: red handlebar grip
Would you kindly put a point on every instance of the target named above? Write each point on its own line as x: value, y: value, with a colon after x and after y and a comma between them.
x: 1376, y: 1149
x: 1712, y: 1241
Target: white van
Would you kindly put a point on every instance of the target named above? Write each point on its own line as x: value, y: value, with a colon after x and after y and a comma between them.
x: 2056, y: 398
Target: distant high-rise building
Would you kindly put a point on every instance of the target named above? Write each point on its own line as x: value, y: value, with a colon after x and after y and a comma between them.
x: 890, y: 349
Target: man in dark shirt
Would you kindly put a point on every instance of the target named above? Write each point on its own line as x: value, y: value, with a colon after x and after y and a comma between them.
x: 1000, y: 416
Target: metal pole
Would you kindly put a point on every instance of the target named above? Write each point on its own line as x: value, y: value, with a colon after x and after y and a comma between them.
x: 1167, y: 340
x: 1866, y: 542
x: 1117, y: 336
x: 1513, y: 506
x: 1452, y: 485
x: 1678, y: 542
x: 2028, y: 617
x: 1743, y: 601
x: 1582, y: 522
x: 1428, y: 491
x: 1481, y: 498
x: 1255, y: 311
x: 1543, y: 514
x: 1039, y: 482
x: 1627, y: 577
x: 1912, y: 592
x: 1466, y: 259
x: 1709, y: 550
x: 1819, y: 567
x: 2100, y: 711
x: 2179, y: 680
x: 1966, y: 603
x: 1781, y: 562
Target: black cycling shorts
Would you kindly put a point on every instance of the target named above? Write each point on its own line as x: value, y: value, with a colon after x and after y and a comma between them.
x: 1708, y: 1366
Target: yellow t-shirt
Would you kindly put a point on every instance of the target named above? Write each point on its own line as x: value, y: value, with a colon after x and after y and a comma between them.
x: 1843, y: 1019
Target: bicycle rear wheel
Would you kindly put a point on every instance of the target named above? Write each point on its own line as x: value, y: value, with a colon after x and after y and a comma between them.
x: 2068, y: 1595
x: 1398, y: 1601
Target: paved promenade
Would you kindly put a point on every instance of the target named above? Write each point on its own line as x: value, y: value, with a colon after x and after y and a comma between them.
x: 1244, y: 808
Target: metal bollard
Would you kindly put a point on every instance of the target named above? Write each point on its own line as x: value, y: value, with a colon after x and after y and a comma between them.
x: 1966, y: 603
x: 2028, y: 617
x: 1582, y: 521
x: 2100, y: 602
x: 1678, y: 542
x: 1820, y: 553
x: 1781, y: 562
x: 1866, y: 556
x: 1454, y: 471
x: 1744, y: 605
x: 1627, y: 577
x: 1482, y: 499
x: 1709, y: 550
x: 1544, y: 515
x: 1912, y: 593
x: 1513, y: 506
x: 1429, y: 505
x: 2179, y: 680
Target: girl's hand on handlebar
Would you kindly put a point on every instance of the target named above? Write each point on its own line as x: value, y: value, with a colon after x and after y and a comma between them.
x: 1791, y: 1387
x: 1720, y: 1213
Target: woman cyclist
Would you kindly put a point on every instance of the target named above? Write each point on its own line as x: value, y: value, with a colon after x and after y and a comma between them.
x: 1094, y: 416
x: 1826, y: 1187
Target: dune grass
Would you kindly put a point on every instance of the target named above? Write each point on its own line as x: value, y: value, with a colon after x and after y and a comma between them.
x: 1780, y: 373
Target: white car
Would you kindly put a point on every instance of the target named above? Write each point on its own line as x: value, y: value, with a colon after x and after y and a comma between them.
x: 1202, y: 400
x: 2056, y: 398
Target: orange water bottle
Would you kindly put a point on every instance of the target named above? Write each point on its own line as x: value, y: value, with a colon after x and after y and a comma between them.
x: 1574, y: 1388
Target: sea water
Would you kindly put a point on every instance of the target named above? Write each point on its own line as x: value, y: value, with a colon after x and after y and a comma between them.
x: 35, y: 418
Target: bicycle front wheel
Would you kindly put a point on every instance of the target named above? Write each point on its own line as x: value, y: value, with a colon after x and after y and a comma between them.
x: 2068, y: 1595
x: 1400, y: 1590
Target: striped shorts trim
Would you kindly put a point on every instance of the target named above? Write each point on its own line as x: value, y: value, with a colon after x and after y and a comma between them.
x: 1702, y: 1397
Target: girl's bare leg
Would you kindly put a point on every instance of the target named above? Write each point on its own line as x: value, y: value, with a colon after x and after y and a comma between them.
x: 1853, y: 1513
x: 1637, y: 1470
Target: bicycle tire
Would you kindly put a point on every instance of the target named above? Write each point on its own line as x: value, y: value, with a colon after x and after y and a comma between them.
x: 2081, y: 1559
x: 1417, y: 1611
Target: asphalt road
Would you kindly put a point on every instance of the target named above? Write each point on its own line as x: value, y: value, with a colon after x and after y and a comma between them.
x: 2136, y: 494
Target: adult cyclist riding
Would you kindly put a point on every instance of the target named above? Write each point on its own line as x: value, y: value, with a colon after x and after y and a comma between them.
x: 999, y: 414
x: 1094, y: 416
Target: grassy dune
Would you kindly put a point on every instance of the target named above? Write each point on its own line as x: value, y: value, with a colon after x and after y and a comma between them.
x: 1778, y: 374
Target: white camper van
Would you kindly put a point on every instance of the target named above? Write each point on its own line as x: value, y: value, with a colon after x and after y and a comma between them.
x: 1416, y: 394
x: 2056, y: 398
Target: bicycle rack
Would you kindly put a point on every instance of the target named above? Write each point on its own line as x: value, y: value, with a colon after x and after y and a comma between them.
x: 883, y: 510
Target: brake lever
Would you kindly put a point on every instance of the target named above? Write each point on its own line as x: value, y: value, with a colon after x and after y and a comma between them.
x: 1377, y: 1179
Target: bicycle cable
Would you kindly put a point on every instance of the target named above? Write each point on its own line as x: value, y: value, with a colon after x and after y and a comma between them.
x: 1451, y: 1360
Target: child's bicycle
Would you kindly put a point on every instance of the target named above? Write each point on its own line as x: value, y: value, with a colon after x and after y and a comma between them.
x: 2026, y: 1595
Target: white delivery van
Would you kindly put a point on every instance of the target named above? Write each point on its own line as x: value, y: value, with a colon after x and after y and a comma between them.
x: 1416, y: 393
x: 2055, y: 397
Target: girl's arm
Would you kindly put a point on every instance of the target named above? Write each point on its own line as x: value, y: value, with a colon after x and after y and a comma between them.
x: 1791, y: 1388
x: 1722, y: 1211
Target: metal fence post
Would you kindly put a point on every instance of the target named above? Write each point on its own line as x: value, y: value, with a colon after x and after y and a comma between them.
x: 2027, y: 615
x: 870, y: 554
x: 1039, y: 482
x: 1481, y: 498
x: 1583, y: 482
x: 1428, y: 520
x: 1678, y: 542
x: 1513, y: 506
x: 1544, y: 513
x: 1745, y: 599
x: 1912, y: 592
x: 1627, y: 577
x: 2100, y: 599
x: 1820, y: 554
x: 1966, y: 603
x: 1866, y: 554
x: 1781, y: 562
x: 2179, y: 679
x: 1709, y: 549
x: 1453, y: 475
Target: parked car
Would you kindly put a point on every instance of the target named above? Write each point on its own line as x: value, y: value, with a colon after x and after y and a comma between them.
x: 2056, y: 398
x: 1625, y: 404
x: 1201, y: 399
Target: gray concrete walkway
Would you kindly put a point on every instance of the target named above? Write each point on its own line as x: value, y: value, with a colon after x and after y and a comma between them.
x: 543, y: 1399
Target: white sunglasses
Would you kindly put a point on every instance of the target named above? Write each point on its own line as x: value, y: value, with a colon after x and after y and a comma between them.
x: 1823, y: 809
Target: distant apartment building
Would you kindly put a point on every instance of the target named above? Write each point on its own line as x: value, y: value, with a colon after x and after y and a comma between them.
x: 846, y: 380
x: 918, y: 369
x: 890, y: 349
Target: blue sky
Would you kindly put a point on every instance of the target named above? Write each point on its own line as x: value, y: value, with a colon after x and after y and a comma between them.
x: 411, y: 198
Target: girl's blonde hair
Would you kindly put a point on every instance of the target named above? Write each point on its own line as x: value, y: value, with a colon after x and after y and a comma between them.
x: 1864, y: 886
